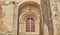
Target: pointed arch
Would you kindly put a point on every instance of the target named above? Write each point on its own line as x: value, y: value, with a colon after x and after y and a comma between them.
x: 32, y: 5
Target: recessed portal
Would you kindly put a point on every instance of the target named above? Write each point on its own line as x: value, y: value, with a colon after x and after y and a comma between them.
x: 29, y: 20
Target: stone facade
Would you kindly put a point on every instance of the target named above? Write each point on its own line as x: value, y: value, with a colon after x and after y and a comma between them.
x: 9, y: 16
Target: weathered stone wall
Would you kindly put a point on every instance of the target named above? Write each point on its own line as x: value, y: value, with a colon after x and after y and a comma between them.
x: 7, y: 9
x: 6, y: 18
x: 55, y: 9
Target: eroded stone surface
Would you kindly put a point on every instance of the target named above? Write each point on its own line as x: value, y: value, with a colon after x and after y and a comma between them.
x: 6, y: 15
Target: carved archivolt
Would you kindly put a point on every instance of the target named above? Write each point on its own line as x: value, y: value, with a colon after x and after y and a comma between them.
x: 29, y: 11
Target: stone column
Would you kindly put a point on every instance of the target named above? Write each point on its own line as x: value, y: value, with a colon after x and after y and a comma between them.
x: 15, y: 19
x: 47, y: 15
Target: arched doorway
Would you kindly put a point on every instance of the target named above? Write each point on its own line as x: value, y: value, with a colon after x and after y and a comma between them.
x: 29, y: 20
x: 31, y: 11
